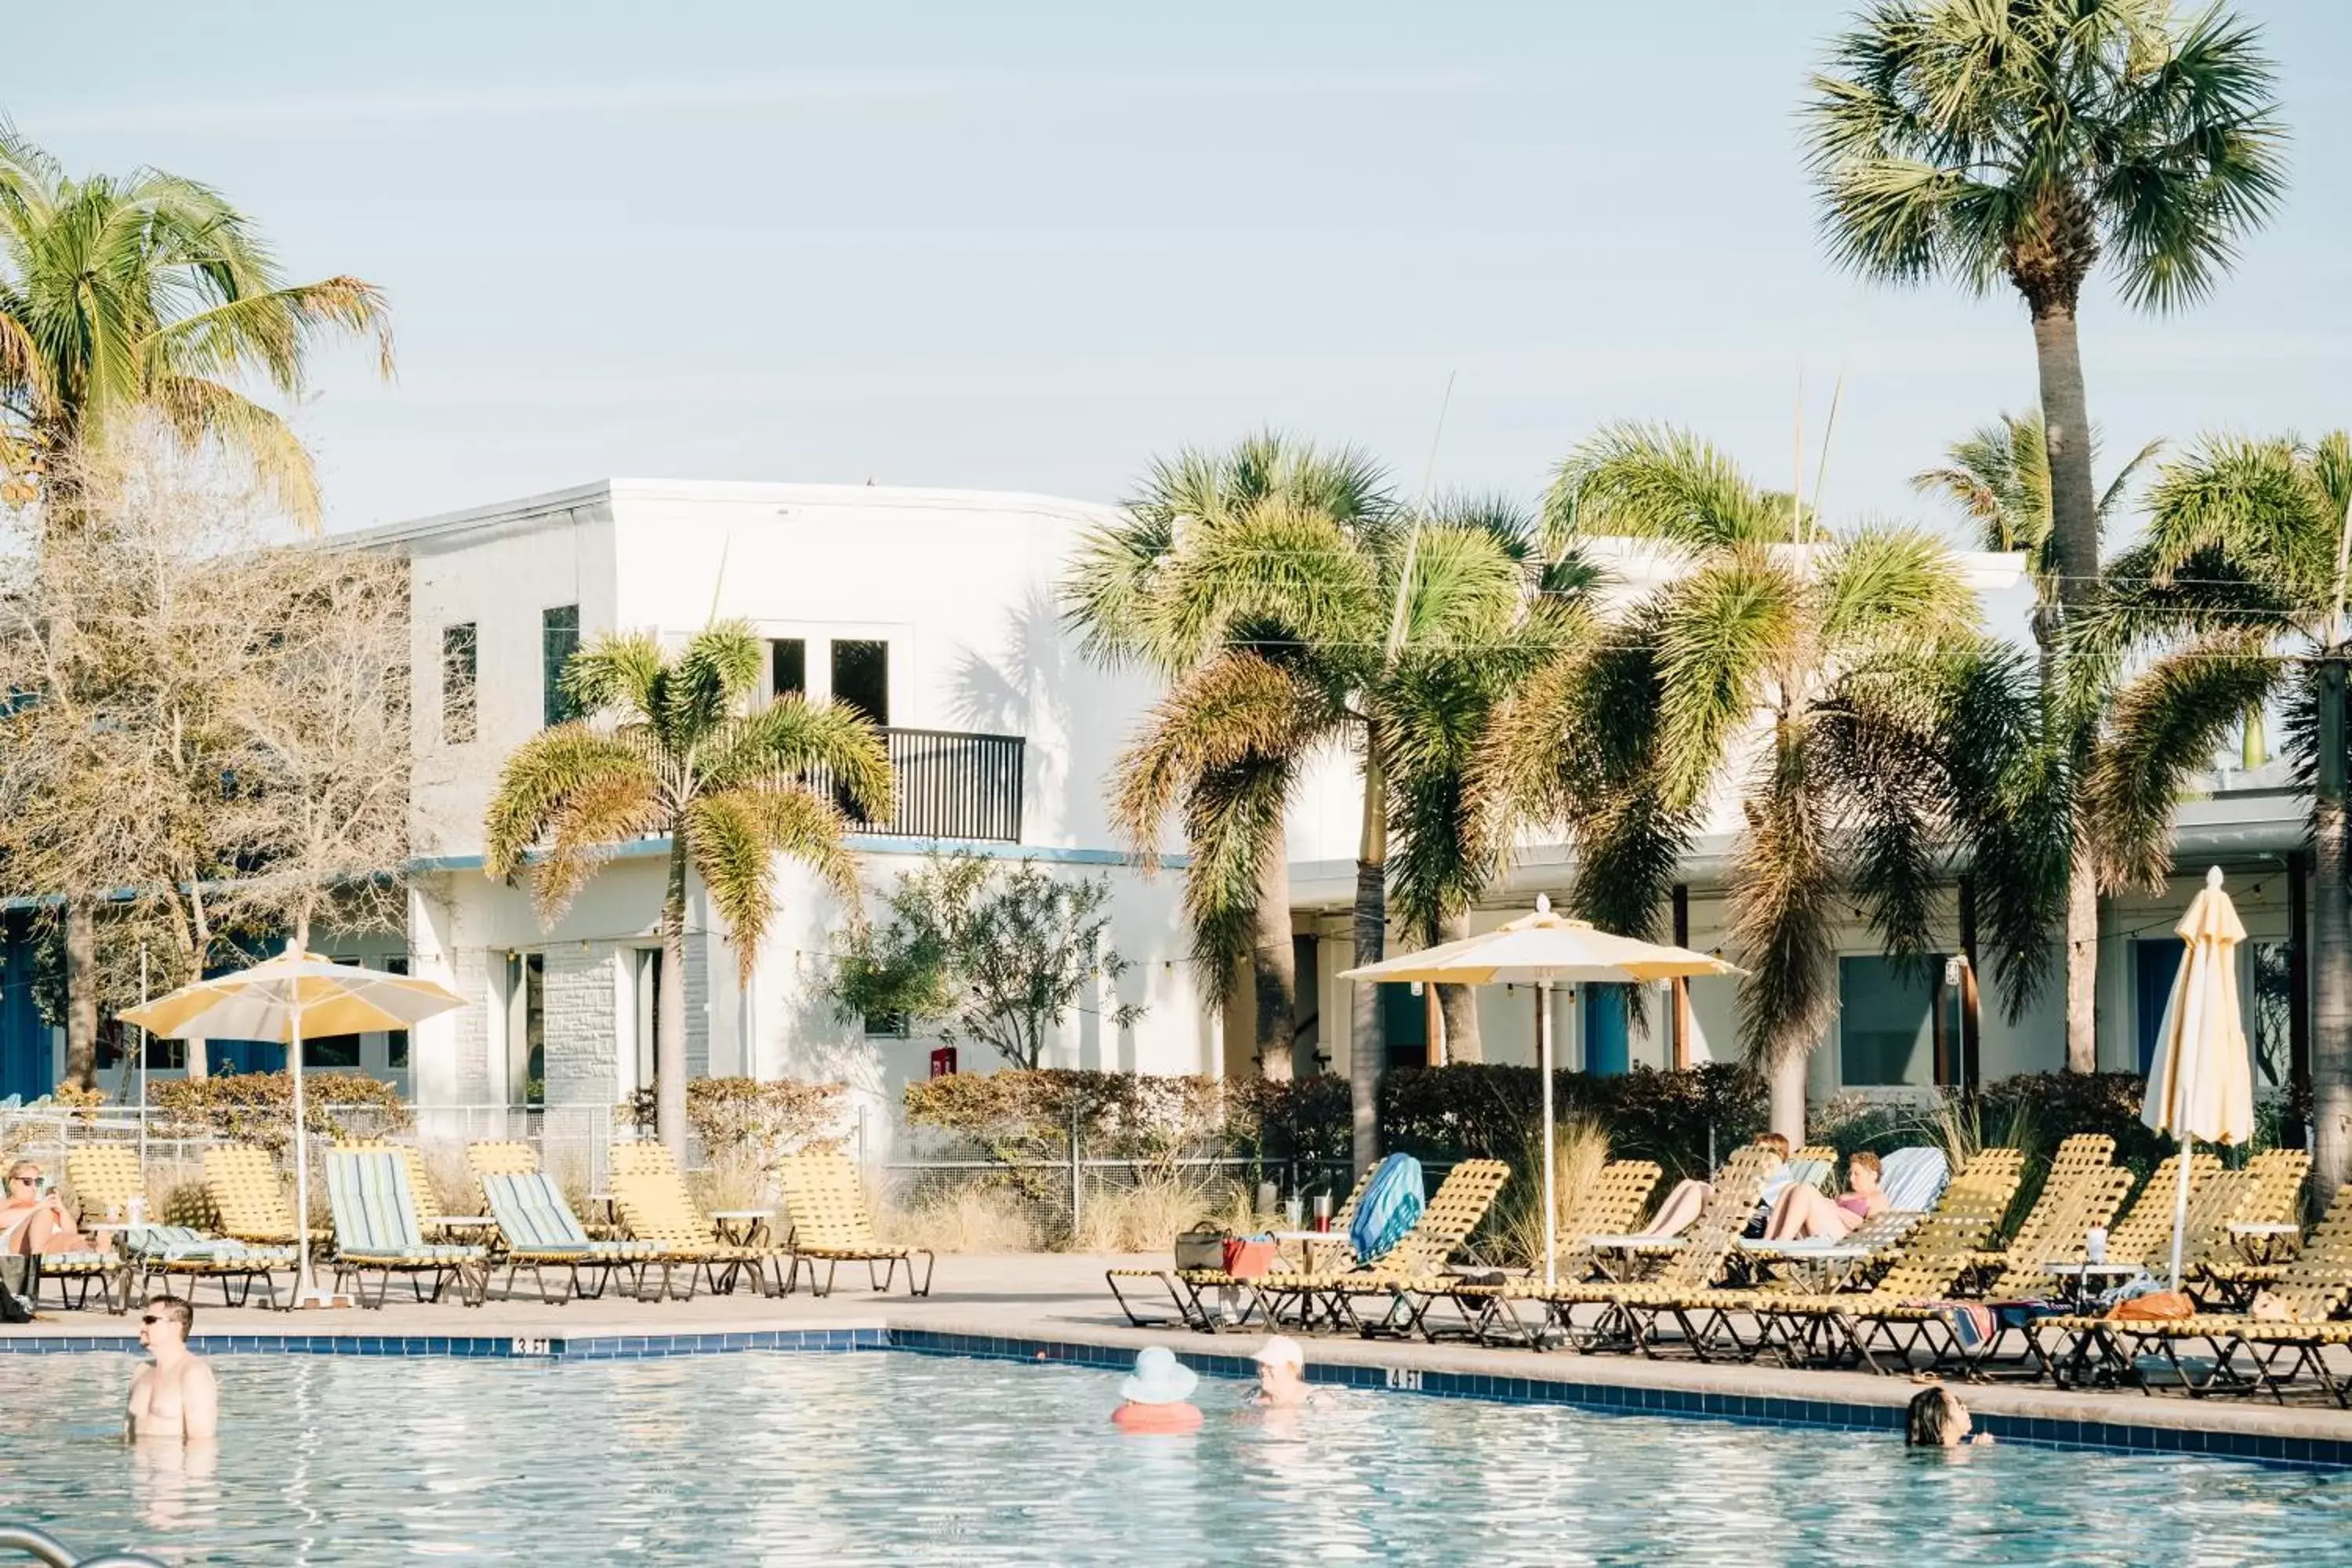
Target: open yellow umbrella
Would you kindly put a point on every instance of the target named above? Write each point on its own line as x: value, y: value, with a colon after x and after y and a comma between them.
x: 287, y: 999
x: 1544, y: 949
x: 2202, y: 1084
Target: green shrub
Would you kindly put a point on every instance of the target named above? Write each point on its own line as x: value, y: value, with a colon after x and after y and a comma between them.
x: 1118, y: 1115
x: 258, y: 1107
x: 757, y: 1121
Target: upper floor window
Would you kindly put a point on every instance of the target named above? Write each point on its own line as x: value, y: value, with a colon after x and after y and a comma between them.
x: 459, y: 673
x: 861, y: 677
x: 788, y: 667
x: 558, y: 639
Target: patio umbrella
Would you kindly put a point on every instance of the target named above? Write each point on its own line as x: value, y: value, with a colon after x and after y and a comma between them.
x: 2201, y: 1085
x: 285, y: 999
x: 1544, y: 949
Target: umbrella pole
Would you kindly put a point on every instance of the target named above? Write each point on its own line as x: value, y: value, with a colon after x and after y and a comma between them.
x: 2180, y: 1205
x: 143, y: 1037
x: 1543, y: 1068
x: 306, y: 1287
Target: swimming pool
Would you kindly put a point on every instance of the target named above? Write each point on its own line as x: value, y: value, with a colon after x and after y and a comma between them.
x: 761, y: 1458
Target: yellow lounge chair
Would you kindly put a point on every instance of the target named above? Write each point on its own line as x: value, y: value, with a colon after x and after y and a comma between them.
x: 826, y: 1221
x: 656, y: 1206
x: 1406, y: 1277
x: 106, y: 1177
x: 248, y: 1197
x: 1185, y: 1285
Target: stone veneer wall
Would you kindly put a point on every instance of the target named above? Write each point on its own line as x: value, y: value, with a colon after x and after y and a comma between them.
x: 470, y: 973
x: 698, y: 1004
x: 579, y: 1039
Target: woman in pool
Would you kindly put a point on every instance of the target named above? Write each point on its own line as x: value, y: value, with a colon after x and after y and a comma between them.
x: 32, y: 1221
x: 1804, y: 1212
x: 1683, y: 1204
x: 1158, y: 1397
x: 1938, y: 1420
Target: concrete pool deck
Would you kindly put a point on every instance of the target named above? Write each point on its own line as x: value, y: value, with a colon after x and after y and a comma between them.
x: 1058, y: 1302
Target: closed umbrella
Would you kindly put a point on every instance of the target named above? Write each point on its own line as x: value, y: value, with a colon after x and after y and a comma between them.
x: 2202, y: 1084
x: 1544, y: 949
x: 287, y: 999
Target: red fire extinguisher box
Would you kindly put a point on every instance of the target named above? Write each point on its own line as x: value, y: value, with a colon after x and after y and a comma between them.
x: 943, y: 1062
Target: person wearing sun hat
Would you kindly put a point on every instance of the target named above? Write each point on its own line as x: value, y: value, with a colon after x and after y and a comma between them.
x: 1158, y: 1395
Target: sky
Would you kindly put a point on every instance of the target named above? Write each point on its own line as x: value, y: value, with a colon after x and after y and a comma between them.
x: 1027, y: 246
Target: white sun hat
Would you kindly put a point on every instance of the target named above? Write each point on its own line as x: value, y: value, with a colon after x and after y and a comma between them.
x: 1281, y: 1350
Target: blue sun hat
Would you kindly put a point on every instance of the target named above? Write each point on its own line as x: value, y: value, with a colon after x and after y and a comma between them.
x: 1159, y: 1378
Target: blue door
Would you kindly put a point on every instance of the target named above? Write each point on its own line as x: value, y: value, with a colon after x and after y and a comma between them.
x: 2155, y: 964
x: 27, y: 1059
x: 1608, y: 1044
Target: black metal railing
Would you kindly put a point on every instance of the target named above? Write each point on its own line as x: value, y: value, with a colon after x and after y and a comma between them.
x: 949, y: 783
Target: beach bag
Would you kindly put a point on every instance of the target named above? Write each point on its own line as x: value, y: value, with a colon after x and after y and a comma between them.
x: 2156, y: 1305
x: 1247, y: 1257
x: 1391, y: 1205
x: 1202, y: 1246
x: 19, y: 1278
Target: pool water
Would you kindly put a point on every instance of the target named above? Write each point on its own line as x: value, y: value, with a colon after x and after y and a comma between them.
x: 891, y: 1456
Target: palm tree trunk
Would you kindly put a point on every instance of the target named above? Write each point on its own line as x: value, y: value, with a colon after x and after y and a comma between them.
x: 669, y: 1026
x: 1786, y: 1081
x: 1273, y: 968
x: 2067, y: 429
x: 81, y: 990
x: 2081, y: 960
x: 1366, y: 1042
x: 1459, y: 1004
x: 2331, y: 941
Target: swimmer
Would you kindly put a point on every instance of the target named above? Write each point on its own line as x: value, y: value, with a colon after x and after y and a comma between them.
x: 1938, y: 1420
x: 1158, y: 1397
x: 176, y: 1397
x: 1282, y: 1376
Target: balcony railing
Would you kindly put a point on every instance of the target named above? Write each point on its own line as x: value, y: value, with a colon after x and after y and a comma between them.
x: 948, y: 784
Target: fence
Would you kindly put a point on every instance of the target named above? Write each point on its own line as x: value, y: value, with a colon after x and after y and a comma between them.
x: 574, y: 1142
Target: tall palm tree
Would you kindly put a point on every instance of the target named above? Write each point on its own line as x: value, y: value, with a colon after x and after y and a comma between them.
x: 1119, y: 596
x: 1838, y: 683
x: 2027, y: 140
x: 668, y: 747
x: 149, y: 290
x: 2238, y: 596
x: 146, y: 292
x: 1304, y: 634
x: 1999, y: 479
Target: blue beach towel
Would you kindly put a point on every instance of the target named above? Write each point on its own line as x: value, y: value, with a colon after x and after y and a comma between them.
x: 1388, y: 1208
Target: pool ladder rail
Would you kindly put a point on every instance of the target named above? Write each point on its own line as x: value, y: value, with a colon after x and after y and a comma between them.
x: 39, y: 1543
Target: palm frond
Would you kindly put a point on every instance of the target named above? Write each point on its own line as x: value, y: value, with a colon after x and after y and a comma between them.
x: 1784, y: 911
x: 1892, y: 587
x: 542, y: 776
x: 1874, y: 744
x: 734, y: 836
x: 1719, y: 631
x: 618, y: 672
x: 1233, y: 824
x: 1649, y: 481
x: 200, y: 412
x: 791, y: 738
x: 718, y: 667
x: 2165, y: 727
x: 1238, y: 708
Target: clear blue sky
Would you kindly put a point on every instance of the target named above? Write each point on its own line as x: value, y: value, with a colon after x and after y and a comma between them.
x: 1027, y: 246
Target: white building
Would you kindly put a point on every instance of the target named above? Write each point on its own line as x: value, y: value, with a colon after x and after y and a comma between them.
x: 934, y: 611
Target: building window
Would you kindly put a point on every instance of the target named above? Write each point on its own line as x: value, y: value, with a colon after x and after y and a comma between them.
x: 558, y: 639
x: 534, y: 1027
x: 1886, y: 1032
x: 887, y: 1026
x: 459, y: 672
x: 861, y: 677
x: 788, y: 667
x: 395, y: 1042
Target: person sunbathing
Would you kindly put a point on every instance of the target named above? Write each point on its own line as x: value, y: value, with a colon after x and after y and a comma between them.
x: 33, y: 1222
x: 1806, y: 1213
x: 1683, y: 1204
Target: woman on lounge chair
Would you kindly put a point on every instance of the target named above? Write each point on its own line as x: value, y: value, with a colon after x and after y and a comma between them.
x: 1683, y: 1204
x: 34, y: 1222
x: 1804, y: 1212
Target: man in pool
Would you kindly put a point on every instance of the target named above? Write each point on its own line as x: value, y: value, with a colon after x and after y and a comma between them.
x: 175, y: 1396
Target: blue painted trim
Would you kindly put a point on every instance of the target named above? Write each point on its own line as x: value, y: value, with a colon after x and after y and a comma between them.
x: 1603, y: 1398
x: 865, y: 843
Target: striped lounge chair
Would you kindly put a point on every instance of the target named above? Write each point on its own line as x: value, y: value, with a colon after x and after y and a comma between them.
x: 541, y: 1233
x: 376, y: 1232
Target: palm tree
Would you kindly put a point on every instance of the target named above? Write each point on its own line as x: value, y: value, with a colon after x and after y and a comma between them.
x: 1237, y: 893
x: 681, y: 755
x: 145, y: 293
x: 1302, y: 633
x: 1999, y: 478
x: 149, y: 291
x: 1840, y: 680
x: 2027, y: 140
x: 2239, y: 592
